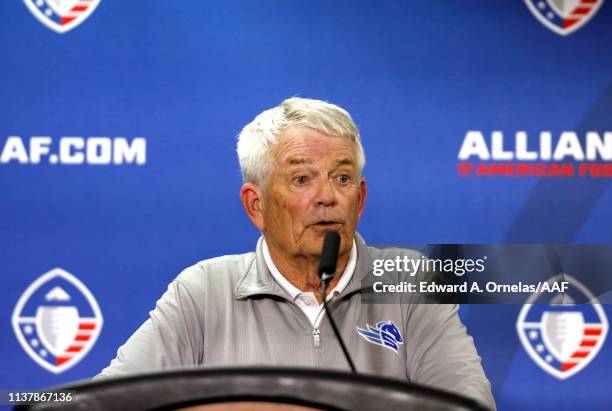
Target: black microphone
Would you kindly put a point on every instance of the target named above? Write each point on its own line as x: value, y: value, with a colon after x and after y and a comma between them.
x: 329, y: 256
x: 327, y: 270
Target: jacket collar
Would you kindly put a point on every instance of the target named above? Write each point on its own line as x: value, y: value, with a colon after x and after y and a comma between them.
x: 258, y: 280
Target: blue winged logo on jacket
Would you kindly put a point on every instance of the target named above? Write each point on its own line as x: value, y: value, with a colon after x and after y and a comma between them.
x: 385, y: 334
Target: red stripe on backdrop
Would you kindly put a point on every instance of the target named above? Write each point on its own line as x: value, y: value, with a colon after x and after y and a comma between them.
x: 568, y: 365
x: 569, y: 23
x: 86, y: 337
x: 66, y: 20
x: 581, y: 10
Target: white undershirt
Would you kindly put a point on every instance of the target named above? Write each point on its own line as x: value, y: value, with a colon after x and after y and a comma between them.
x: 307, y: 300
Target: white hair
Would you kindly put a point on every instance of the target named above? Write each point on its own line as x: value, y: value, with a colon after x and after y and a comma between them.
x: 259, y: 135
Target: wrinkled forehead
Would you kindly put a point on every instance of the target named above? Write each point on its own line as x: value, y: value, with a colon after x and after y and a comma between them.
x: 302, y: 145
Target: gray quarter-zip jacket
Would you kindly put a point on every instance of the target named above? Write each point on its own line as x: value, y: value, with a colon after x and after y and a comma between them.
x: 229, y: 310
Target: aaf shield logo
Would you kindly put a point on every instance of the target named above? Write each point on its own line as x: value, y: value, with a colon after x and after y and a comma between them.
x: 385, y: 334
x: 564, y: 16
x: 57, y: 321
x: 563, y: 337
x: 61, y: 15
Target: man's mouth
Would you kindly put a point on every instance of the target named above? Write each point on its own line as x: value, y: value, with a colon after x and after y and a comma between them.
x: 327, y: 224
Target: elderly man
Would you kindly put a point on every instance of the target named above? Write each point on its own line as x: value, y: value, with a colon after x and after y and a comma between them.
x: 302, y: 167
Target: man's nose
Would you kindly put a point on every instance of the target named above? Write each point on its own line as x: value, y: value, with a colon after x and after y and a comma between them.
x: 326, y: 195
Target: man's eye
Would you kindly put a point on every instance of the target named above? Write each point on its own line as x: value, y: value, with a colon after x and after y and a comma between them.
x: 300, y: 180
x: 344, y: 179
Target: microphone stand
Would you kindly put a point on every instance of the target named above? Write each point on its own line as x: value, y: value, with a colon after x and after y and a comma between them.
x: 325, y: 278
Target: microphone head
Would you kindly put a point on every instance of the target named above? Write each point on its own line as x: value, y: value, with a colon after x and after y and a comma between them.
x: 329, y: 255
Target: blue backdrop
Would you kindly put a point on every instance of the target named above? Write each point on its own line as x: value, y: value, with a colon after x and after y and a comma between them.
x: 187, y: 75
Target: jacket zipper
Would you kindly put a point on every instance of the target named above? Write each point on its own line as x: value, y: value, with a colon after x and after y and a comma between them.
x: 316, y: 332
x: 316, y: 336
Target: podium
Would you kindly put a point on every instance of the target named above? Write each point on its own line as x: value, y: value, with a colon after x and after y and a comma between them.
x: 257, y: 389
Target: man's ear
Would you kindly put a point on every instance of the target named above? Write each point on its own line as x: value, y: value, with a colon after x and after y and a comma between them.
x: 361, y: 196
x: 251, y: 196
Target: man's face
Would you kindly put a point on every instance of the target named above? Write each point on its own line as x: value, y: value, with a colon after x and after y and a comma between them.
x: 313, y: 186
